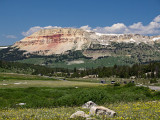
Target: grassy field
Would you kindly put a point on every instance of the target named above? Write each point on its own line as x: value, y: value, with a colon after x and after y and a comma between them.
x: 5, y: 77
x: 15, y: 76
x: 44, y: 83
x: 108, y: 80
x: 55, y: 98
x: 13, y: 80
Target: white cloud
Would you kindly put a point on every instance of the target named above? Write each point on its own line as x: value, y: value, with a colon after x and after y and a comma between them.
x: 115, y: 28
x: 137, y: 28
x: 157, y: 19
x: 31, y: 30
x: 85, y: 27
x: 50, y: 27
x: 37, y: 28
x: 11, y: 36
x: 153, y: 28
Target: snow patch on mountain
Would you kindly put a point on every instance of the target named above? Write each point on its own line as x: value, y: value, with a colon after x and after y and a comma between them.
x: 156, y: 38
x: 132, y: 40
x: 101, y: 34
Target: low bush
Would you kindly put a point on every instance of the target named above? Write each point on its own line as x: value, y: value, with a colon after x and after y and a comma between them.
x: 153, y: 81
x: 130, y: 84
x: 117, y: 84
x: 56, y: 97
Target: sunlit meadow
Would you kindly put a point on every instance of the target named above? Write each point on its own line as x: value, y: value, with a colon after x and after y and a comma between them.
x: 137, y: 110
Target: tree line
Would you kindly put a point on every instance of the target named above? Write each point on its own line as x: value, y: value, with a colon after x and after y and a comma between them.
x: 30, y: 68
x: 149, y: 70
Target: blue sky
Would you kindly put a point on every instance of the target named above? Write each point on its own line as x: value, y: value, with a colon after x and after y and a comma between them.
x: 19, y: 18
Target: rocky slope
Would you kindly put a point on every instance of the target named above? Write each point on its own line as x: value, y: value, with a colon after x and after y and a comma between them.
x: 59, y: 41
x: 54, y: 41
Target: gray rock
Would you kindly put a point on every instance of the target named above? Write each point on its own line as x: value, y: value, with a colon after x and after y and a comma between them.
x: 100, y: 110
x: 89, y: 104
x: 21, y: 104
x: 79, y: 114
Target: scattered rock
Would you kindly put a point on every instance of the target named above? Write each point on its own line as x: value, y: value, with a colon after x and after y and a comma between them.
x: 4, y: 84
x: 89, y: 104
x: 21, y: 104
x: 94, y: 110
x: 17, y: 83
x: 100, y: 110
x: 79, y: 114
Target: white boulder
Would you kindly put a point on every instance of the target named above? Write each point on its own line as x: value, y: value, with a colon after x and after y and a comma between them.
x: 21, y: 104
x: 79, y: 114
x: 100, y: 110
x: 89, y: 104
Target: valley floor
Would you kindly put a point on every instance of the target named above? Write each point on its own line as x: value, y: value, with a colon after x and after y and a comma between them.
x: 46, y: 98
x: 44, y: 83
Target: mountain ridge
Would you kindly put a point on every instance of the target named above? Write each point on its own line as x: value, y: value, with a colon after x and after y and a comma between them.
x: 84, y: 49
x: 60, y: 40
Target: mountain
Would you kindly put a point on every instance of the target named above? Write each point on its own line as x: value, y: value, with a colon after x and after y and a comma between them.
x: 54, y: 41
x: 66, y: 47
x: 59, y: 41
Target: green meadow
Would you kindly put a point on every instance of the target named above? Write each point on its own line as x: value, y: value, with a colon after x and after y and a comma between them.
x: 56, y: 98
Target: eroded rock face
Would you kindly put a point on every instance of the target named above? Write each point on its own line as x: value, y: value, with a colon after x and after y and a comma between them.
x: 60, y: 40
x: 54, y: 41
x: 106, y: 39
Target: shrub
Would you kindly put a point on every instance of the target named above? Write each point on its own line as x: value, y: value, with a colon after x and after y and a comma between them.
x: 153, y: 81
x: 56, y: 97
x: 130, y: 84
x: 117, y: 84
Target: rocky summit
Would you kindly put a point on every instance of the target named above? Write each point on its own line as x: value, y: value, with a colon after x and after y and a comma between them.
x: 61, y: 40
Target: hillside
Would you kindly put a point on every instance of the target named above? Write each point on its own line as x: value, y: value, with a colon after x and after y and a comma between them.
x: 70, y: 47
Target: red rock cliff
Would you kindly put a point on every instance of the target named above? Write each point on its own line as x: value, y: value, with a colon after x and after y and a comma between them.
x: 54, y: 41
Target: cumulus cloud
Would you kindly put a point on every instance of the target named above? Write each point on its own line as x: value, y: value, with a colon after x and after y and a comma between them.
x: 157, y: 19
x: 85, y: 27
x: 31, y: 30
x: 37, y: 28
x: 153, y: 28
x: 115, y: 28
x: 137, y: 26
x: 11, y: 36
